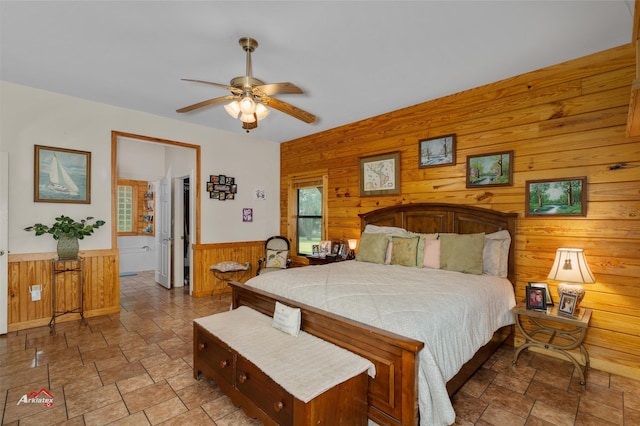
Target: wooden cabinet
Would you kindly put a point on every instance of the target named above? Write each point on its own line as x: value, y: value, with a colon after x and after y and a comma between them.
x: 263, y: 398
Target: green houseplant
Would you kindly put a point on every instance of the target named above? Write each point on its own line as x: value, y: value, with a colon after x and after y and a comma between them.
x: 67, y: 231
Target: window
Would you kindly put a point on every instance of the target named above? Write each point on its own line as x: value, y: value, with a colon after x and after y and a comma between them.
x: 126, y: 210
x: 307, y: 209
x: 309, y: 219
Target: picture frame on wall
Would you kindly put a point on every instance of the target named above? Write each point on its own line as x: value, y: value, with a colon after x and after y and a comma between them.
x: 380, y: 174
x: 556, y: 197
x: 61, y: 175
x: 487, y: 170
x: 440, y: 151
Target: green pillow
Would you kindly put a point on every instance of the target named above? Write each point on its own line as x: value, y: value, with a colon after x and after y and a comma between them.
x: 404, y: 250
x: 372, y: 248
x: 462, y: 252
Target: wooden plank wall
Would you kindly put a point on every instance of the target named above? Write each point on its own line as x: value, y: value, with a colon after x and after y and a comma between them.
x: 562, y: 121
x: 206, y: 255
x: 101, y: 287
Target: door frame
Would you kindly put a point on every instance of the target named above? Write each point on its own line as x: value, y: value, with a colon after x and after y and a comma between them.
x: 115, y: 135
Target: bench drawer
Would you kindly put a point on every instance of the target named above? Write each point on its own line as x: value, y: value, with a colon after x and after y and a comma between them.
x: 214, y: 354
x: 264, y: 392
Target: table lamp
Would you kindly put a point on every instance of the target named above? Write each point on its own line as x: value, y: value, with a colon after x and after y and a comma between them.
x: 570, y: 267
x: 353, y: 243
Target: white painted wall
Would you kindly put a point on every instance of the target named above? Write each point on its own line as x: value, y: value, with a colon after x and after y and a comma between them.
x: 31, y: 117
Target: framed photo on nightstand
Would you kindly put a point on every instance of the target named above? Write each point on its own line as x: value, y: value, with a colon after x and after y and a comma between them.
x: 546, y: 287
x: 536, y: 298
x: 567, y: 305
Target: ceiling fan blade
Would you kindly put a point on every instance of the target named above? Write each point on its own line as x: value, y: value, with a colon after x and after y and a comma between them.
x: 206, y: 103
x: 287, y: 108
x: 276, y: 88
x: 232, y: 89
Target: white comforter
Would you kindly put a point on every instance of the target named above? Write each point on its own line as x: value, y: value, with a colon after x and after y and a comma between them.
x: 454, y: 314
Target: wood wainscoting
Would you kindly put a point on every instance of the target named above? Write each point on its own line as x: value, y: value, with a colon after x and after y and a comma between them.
x: 101, y: 288
x: 206, y: 255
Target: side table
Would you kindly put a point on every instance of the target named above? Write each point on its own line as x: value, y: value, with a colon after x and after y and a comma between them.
x: 63, y: 267
x: 227, y: 271
x: 317, y: 260
x: 549, y: 325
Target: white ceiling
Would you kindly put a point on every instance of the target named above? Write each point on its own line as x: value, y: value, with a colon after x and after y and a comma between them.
x: 353, y: 59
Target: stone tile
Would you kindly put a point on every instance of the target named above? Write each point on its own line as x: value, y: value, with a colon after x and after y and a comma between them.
x: 94, y: 355
x: 73, y: 374
x: 134, y: 383
x: 198, y: 394
x: 148, y: 396
x: 601, y: 410
x: 219, y: 407
x: 53, y: 415
x: 136, y: 353
x: 135, y: 419
x: 180, y: 381
x: 107, y: 414
x: 552, y: 396
x: 468, y: 408
x: 24, y: 376
x: 167, y: 369
x: 118, y: 373
x: 14, y: 411
x: 92, y: 400
x: 237, y: 418
x: 552, y: 414
x: 497, y: 416
x: 504, y: 398
x: 165, y: 410
x: 194, y: 417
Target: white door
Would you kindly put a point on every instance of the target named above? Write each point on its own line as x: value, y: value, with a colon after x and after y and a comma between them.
x: 163, y: 222
x: 178, y: 232
x: 4, y: 241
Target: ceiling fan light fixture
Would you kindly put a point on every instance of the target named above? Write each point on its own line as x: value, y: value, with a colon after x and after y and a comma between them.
x: 233, y: 108
x: 261, y: 111
x: 248, y: 118
x: 247, y: 105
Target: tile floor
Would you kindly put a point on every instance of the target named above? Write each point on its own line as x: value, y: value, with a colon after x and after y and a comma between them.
x: 134, y: 368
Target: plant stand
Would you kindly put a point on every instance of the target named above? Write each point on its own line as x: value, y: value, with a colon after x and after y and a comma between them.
x: 62, y: 267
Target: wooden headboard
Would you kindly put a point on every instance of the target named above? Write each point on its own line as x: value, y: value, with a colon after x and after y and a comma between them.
x: 440, y: 217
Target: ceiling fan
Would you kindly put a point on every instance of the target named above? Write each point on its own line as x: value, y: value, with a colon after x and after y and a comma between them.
x: 250, y: 96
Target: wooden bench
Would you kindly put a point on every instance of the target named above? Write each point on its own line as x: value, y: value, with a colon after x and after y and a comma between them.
x: 279, y: 378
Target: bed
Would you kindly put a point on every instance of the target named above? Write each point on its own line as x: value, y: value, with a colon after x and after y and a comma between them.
x: 405, y: 361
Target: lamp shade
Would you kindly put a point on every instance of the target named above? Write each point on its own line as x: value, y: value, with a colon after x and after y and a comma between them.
x: 353, y: 243
x: 571, y: 266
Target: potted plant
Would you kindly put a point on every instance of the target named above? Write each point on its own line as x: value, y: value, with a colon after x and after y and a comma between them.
x: 67, y: 232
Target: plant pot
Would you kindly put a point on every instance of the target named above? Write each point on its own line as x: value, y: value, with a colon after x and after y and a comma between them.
x: 68, y: 247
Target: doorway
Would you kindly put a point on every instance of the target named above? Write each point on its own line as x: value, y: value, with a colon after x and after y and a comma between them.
x: 182, y: 160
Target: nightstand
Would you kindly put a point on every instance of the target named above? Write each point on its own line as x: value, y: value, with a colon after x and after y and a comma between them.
x: 316, y: 260
x: 556, y: 332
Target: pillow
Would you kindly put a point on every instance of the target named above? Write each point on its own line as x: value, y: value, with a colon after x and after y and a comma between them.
x: 495, y: 255
x: 287, y: 319
x: 462, y: 252
x: 230, y: 266
x: 277, y: 258
x: 404, y: 250
x: 431, y: 254
x: 372, y: 248
x: 375, y: 229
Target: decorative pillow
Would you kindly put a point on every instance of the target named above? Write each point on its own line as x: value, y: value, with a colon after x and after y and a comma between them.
x: 375, y: 229
x: 372, y: 248
x: 462, y: 252
x: 277, y: 258
x: 431, y: 254
x: 404, y: 250
x: 287, y: 319
x: 230, y: 266
x: 495, y: 255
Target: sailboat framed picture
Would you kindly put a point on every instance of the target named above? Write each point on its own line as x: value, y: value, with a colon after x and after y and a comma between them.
x: 62, y: 175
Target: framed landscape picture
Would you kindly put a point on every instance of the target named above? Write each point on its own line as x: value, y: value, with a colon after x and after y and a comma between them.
x: 380, y: 175
x: 440, y: 151
x: 490, y: 169
x: 62, y: 175
x: 556, y: 197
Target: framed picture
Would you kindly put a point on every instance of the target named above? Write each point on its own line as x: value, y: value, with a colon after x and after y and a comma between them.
x: 335, y: 247
x: 259, y: 194
x: 440, y: 151
x: 536, y: 298
x: 344, y: 251
x: 325, y: 247
x: 556, y: 197
x: 546, y: 288
x: 61, y: 175
x: 247, y: 214
x: 490, y: 169
x: 567, y: 305
x: 380, y: 175
x: 315, y: 249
